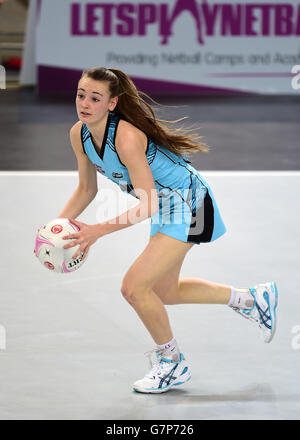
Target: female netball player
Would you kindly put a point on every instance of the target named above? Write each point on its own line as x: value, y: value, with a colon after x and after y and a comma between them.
x: 119, y: 135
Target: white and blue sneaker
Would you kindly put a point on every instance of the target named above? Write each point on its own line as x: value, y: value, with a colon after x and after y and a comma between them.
x: 263, y: 312
x: 164, y: 374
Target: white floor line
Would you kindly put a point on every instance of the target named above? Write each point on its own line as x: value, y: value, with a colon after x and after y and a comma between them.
x: 251, y: 173
x: 38, y: 173
x: 204, y: 173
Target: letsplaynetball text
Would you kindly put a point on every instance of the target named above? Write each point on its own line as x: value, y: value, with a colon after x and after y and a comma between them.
x: 296, y: 337
x: 2, y: 338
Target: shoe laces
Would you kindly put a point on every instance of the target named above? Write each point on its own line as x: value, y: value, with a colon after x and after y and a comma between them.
x: 252, y: 316
x: 155, y: 362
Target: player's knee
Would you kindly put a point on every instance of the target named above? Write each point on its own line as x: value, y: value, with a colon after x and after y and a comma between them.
x: 132, y: 292
x: 126, y: 292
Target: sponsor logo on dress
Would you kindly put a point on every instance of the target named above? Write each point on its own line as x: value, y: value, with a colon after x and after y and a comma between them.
x: 99, y: 169
x: 117, y: 175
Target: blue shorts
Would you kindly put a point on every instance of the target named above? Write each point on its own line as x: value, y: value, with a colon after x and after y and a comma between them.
x: 189, y: 214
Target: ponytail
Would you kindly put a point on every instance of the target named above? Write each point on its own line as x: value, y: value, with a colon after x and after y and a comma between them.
x: 134, y: 109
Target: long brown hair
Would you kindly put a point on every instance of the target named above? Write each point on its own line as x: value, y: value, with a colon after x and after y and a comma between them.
x: 134, y: 109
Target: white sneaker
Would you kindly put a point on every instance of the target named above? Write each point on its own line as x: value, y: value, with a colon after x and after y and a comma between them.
x: 164, y: 374
x: 263, y: 312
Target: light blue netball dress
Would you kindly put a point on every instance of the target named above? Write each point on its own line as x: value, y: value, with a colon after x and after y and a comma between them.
x: 187, y: 208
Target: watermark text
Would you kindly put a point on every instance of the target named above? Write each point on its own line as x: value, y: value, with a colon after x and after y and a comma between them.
x: 296, y: 338
x: 296, y: 78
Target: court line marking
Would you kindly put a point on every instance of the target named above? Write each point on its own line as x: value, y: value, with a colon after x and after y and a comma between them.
x: 202, y: 172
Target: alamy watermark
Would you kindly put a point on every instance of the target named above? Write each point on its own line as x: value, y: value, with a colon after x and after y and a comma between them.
x: 296, y: 339
x: 2, y: 77
x: 166, y: 207
x: 2, y: 338
x: 296, y: 78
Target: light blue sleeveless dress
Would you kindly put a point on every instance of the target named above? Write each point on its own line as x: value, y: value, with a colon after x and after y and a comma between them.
x: 187, y: 208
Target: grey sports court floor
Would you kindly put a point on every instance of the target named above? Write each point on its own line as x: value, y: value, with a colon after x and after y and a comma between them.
x: 70, y: 344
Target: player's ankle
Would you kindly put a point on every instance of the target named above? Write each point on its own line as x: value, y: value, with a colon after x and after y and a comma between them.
x: 170, y: 350
x: 241, y: 298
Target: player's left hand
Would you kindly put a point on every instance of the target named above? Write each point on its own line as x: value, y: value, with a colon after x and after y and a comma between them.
x: 85, y: 237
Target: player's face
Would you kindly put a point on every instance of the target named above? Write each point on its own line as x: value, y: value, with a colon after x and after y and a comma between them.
x: 93, y: 100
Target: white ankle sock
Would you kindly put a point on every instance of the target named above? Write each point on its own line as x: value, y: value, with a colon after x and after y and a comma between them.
x: 171, y: 350
x: 241, y: 298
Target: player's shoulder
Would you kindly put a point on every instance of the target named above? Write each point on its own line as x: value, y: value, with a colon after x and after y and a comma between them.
x: 128, y: 133
x: 75, y: 137
x: 75, y: 130
x: 131, y: 143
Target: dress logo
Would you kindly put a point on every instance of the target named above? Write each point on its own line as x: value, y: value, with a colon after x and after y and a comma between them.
x: 117, y: 175
x: 99, y: 169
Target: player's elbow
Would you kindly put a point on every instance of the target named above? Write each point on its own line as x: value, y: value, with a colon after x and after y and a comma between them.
x: 88, y: 192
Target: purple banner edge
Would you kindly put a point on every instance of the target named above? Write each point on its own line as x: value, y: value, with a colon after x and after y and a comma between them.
x: 62, y: 81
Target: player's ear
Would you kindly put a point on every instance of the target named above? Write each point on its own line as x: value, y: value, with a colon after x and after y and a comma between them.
x: 113, y: 103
